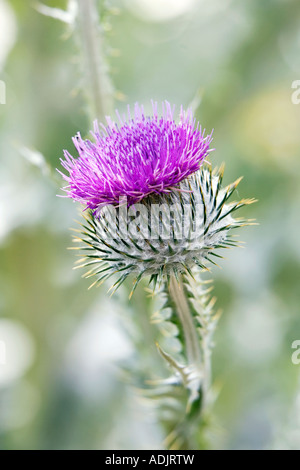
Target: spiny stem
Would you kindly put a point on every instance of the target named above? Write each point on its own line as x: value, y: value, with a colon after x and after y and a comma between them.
x: 207, y: 320
x: 197, y: 370
x: 206, y: 370
x: 101, y: 90
x: 182, y: 309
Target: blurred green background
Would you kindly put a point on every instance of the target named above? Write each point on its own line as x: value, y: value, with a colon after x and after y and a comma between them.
x: 61, y: 386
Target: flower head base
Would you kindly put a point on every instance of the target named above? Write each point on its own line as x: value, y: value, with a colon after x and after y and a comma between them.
x: 142, y: 156
x: 185, y: 229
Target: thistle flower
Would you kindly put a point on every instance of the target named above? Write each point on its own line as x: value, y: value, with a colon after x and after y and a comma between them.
x: 145, y: 155
x: 155, y: 207
x: 166, y: 212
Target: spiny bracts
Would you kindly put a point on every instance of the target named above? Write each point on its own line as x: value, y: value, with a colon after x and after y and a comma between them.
x: 163, y: 235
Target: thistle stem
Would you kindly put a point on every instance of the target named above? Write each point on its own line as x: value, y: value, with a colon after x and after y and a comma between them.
x: 198, y: 356
x: 193, y: 350
x: 198, y: 351
x: 206, y: 369
x: 100, y: 93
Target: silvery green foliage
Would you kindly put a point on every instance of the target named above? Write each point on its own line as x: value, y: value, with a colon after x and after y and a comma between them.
x: 165, y: 234
x: 182, y: 399
x: 67, y: 16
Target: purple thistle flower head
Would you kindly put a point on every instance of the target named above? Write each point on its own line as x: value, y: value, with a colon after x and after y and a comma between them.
x: 146, y: 154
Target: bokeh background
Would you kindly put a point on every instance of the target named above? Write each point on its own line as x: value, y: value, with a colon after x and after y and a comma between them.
x: 62, y: 386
